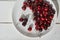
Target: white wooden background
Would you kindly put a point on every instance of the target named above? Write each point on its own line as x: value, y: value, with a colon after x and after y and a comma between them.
x: 9, y: 32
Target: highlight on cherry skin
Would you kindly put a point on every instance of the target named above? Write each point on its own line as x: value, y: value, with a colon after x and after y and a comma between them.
x: 36, y: 17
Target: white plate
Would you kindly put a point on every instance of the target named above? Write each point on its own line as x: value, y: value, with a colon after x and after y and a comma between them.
x: 17, y: 12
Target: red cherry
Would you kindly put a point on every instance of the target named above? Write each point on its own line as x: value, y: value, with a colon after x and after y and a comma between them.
x: 46, y: 9
x: 37, y: 28
x: 45, y: 27
x: 36, y: 23
x: 42, y: 19
x: 36, y: 1
x: 39, y: 8
x: 45, y: 14
x: 41, y: 14
x: 46, y: 5
x: 30, y: 7
x: 25, y: 3
x: 24, y: 23
x: 42, y: 26
x: 51, y: 17
x: 21, y: 19
x: 46, y: 19
x: 40, y: 29
x: 24, y: 8
x: 49, y: 21
x: 40, y: 0
x: 38, y: 18
x: 30, y: 29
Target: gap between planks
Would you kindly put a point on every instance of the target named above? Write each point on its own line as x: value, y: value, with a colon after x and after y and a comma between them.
x: 12, y: 22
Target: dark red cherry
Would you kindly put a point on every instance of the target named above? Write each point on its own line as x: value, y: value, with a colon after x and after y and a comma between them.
x: 40, y: 0
x: 24, y: 7
x: 30, y: 29
x: 21, y: 19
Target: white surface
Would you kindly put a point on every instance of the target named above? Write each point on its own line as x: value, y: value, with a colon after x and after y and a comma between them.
x: 59, y: 12
x: 7, y: 0
x: 9, y: 32
x: 6, y: 10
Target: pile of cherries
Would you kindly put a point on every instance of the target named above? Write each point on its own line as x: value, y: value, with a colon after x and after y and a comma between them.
x: 43, y: 13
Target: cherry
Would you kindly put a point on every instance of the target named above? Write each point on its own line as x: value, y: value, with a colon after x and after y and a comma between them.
x: 45, y: 13
x: 30, y: 29
x: 42, y: 19
x: 24, y: 7
x: 40, y: 29
x: 46, y: 9
x: 36, y: 1
x: 37, y: 28
x: 51, y: 17
x: 21, y: 19
x: 25, y: 3
x: 45, y: 27
x: 39, y: 8
x: 42, y: 26
x: 25, y: 22
x: 40, y: 0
